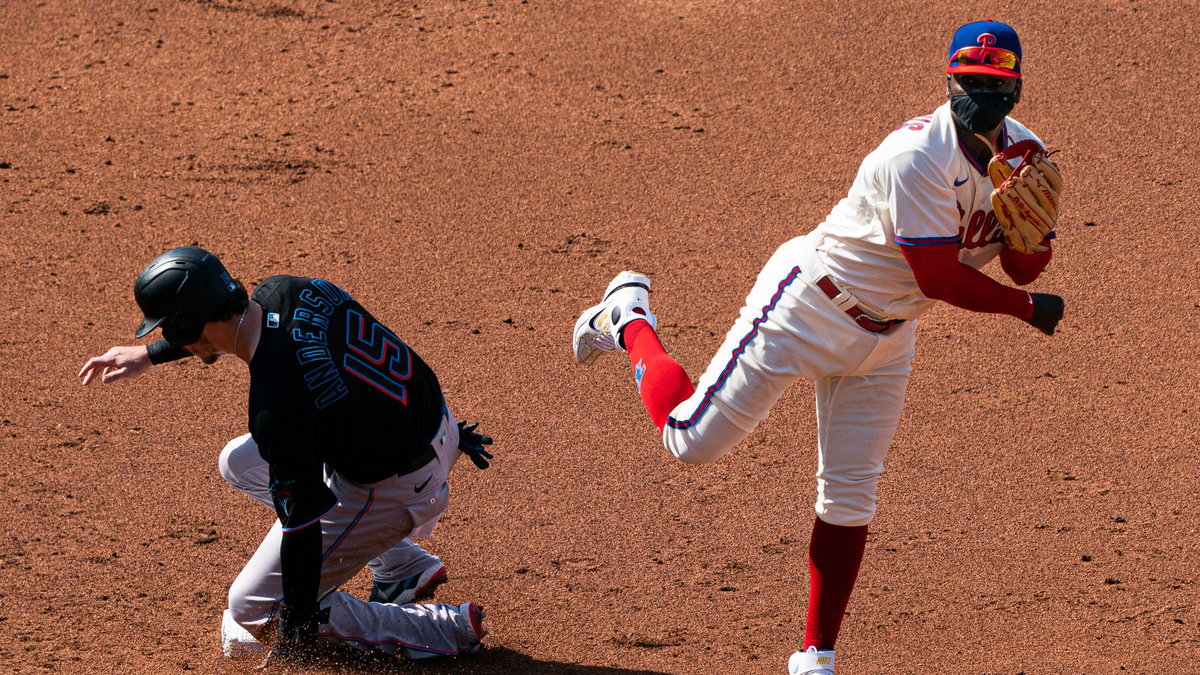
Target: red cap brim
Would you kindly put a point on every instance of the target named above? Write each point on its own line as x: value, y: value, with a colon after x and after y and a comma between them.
x: 982, y: 70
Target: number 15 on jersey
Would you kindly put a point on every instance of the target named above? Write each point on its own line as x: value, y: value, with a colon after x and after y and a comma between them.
x: 376, y: 356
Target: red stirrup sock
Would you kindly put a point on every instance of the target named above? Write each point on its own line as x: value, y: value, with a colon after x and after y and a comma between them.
x: 661, y: 381
x: 834, y: 555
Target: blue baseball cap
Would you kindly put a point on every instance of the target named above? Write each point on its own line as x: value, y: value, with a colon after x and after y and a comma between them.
x: 985, y: 47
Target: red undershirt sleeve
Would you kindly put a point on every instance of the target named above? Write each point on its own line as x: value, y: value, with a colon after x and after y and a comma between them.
x: 1024, y: 268
x: 941, y: 276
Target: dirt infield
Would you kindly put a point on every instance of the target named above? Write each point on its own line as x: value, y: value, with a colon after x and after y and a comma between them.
x: 474, y: 172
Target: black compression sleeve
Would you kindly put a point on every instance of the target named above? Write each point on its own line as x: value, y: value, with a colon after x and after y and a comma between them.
x: 161, y: 351
x: 300, y: 567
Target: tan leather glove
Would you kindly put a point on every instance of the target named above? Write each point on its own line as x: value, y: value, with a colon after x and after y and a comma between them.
x: 1026, y: 197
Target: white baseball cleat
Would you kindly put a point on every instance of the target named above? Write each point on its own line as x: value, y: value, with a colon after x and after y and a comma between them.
x: 598, y: 329
x: 473, y: 615
x: 811, y: 662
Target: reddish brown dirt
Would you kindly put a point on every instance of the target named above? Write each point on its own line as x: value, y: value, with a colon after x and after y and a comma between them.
x: 475, y: 172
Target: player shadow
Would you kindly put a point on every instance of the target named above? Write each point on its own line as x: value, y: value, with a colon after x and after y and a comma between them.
x: 490, y: 660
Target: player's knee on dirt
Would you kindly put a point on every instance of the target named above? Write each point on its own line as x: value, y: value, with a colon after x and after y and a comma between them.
x: 248, y: 610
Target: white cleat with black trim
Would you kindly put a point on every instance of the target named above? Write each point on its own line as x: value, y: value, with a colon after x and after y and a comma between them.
x: 598, y: 329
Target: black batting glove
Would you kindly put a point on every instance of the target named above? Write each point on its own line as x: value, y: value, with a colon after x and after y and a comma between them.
x: 1047, y: 312
x: 471, y: 443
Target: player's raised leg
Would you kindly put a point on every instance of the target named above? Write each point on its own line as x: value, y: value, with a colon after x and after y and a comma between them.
x: 623, y: 322
x: 661, y: 381
x: 783, y: 333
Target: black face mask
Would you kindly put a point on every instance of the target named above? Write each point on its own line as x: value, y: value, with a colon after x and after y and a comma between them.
x: 982, y: 111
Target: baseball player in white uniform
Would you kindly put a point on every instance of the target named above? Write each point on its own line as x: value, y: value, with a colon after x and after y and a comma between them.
x: 839, y: 307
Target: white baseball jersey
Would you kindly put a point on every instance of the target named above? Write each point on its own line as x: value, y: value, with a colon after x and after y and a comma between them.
x: 921, y: 186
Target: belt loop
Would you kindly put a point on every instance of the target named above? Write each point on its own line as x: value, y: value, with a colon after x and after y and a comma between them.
x: 845, y: 301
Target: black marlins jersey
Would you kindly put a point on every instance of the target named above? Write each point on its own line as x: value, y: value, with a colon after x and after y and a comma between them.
x: 331, y: 386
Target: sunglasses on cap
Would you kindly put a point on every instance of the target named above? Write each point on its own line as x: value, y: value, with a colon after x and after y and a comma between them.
x: 986, y: 56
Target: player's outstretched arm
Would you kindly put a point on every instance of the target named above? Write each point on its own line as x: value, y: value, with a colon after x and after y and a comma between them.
x: 118, y: 363
x: 941, y: 276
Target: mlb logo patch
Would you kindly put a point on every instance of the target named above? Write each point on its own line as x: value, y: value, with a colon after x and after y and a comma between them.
x: 638, y: 371
x: 272, y: 320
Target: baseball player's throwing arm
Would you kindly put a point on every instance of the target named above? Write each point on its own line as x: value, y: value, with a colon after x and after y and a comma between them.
x: 118, y: 363
x: 941, y: 276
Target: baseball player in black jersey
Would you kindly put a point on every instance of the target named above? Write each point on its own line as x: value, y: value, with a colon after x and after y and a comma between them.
x: 350, y: 441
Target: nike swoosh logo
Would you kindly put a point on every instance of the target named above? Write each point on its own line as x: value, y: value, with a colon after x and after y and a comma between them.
x: 422, y: 485
x: 960, y: 182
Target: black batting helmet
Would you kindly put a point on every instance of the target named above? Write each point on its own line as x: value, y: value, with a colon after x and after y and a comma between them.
x: 179, y: 290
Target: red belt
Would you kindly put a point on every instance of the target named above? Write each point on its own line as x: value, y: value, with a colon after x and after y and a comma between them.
x: 829, y: 288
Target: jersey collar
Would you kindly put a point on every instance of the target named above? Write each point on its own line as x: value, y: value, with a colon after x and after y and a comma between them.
x: 1002, y: 142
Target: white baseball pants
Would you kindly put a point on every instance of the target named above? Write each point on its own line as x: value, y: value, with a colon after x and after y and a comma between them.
x: 787, y: 330
x: 369, y: 526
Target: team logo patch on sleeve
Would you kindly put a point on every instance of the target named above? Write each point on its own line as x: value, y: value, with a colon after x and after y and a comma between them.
x: 282, y: 491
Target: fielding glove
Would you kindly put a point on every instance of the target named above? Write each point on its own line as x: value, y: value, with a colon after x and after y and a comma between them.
x: 1025, y: 199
